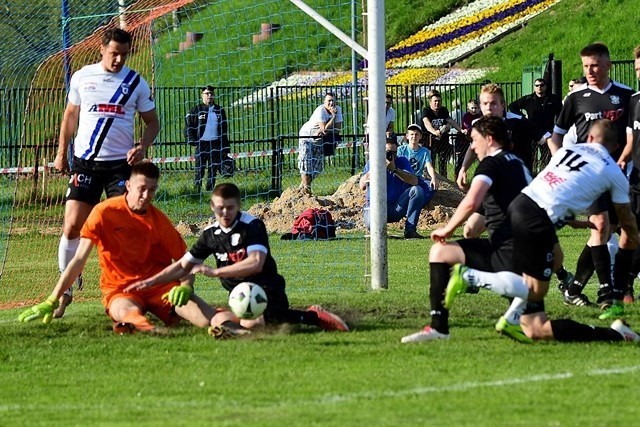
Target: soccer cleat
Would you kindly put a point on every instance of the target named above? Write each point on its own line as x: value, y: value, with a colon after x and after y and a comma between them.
x: 426, y: 334
x: 123, y: 328
x: 579, y: 300
x: 224, y: 332
x: 512, y: 331
x: 329, y: 321
x: 563, y: 285
x: 79, y: 282
x: 65, y: 300
x: 621, y: 327
x: 605, y: 304
x: 614, y: 311
x: 455, y: 286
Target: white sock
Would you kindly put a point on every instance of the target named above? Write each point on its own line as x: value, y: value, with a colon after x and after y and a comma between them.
x: 66, y: 250
x: 503, y: 283
x: 613, y: 247
x: 515, y: 310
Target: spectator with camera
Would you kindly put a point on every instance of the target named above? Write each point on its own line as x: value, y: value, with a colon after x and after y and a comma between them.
x: 405, y: 196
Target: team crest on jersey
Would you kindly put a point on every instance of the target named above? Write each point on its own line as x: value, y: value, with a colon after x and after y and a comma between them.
x: 125, y: 88
x: 615, y: 100
x: 235, y: 239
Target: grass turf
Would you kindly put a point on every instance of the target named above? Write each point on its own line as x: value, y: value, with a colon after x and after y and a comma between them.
x: 75, y: 371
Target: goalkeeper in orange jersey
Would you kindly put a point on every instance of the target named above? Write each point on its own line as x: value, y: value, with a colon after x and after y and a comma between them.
x: 135, y: 240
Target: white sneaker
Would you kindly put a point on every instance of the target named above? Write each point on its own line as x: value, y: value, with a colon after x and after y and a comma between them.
x: 426, y: 334
x: 623, y: 329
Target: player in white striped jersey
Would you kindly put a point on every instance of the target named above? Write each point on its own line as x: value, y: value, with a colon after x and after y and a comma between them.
x: 102, y: 102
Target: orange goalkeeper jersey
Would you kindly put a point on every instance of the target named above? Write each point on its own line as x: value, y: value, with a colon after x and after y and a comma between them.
x: 131, y: 246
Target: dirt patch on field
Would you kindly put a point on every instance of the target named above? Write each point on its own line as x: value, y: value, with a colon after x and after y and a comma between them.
x: 346, y: 205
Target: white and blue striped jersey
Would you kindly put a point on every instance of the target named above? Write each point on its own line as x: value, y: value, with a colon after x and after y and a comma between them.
x: 108, y: 103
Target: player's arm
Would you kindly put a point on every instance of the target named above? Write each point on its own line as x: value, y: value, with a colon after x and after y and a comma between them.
x: 555, y: 142
x: 67, y: 130
x: 467, y: 206
x: 73, y: 270
x: 251, y: 265
x: 364, y: 181
x: 408, y: 177
x: 455, y: 125
x: 179, y: 270
x: 626, y: 152
x: 469, y: 158
x: 151, y: 130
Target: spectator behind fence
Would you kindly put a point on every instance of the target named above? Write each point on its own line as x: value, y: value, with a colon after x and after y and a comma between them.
x: 405, y: 196
x: 207, y: 129
x: 437, y: 122
x: 390, y: 118
x: 322, y: 128
x: 102, y: 102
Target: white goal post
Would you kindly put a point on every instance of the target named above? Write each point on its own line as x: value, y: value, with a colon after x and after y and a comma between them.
x: 375, y: 56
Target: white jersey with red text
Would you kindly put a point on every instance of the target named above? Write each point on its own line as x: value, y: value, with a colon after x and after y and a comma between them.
x: 574, y: 178
x: 108, y: 103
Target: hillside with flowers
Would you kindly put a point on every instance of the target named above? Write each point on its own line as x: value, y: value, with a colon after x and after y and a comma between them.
x: 430, y: 55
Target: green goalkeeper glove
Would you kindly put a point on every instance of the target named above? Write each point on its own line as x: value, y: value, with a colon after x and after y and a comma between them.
x: 44, y: 310
x: 178, y: 295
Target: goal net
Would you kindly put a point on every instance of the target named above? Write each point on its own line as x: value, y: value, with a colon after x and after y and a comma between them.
x: 270, y: 65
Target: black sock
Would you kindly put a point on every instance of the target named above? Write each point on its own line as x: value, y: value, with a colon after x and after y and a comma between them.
x: 567, y: 330
x: 602, y: 263
x: 621, y: 270
x: 439, y: 277
x: 635, y: 267
x: 584, y: 270
x: 561, y: 274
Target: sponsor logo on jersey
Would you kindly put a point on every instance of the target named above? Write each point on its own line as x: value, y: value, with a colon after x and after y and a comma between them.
x: 222, y: 257
x: 612, y: 115
x: 238, y: 255
x: 113, y: 110
x: 90, y: 87
x: 552, y: 179
x: 636, y: 125
x: 586, y: 94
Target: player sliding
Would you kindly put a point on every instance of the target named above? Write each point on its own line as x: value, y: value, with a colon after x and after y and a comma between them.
x: 240, y: 244
x: 135, y: 240
x: 573, y: 179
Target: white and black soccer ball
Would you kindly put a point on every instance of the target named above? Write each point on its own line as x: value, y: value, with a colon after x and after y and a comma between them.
x: 248, y: 300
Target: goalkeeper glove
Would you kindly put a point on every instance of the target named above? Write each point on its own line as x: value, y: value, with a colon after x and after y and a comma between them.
x: 44, y: 310
x: 178, y: 295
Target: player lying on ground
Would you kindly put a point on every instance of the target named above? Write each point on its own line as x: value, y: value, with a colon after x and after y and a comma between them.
x: 499, y: 178
x: 135, y: 240
x: 569, y: 184
x: 240, y: 244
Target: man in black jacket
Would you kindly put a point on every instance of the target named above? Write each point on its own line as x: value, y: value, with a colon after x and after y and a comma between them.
x: 207, y: 129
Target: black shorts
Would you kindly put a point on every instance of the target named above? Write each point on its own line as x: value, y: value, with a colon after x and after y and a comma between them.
x: 603, y: 204
x: 480, y: 254
x: 635, y: 206
x: 534, y: 237
x: 90, y: 178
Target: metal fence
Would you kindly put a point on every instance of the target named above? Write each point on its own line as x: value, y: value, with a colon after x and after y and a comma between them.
x: 260, y: 120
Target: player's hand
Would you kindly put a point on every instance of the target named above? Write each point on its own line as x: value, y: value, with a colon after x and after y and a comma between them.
x: 623, y: 165
x: 135, y: 155
x: 178, y: 295
x: 44, y: 310
x: 61, y: 163
x: 462, y: 179
x: 433, y: 184
x: 440, y: 235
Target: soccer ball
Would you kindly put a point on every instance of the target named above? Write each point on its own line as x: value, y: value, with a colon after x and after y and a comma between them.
x: 247, y: 300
